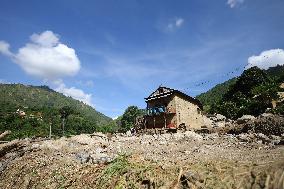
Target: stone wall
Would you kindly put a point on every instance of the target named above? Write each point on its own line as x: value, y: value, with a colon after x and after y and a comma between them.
x: 188, y: 113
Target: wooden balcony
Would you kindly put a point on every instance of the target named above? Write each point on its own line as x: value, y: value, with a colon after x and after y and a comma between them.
x: 162, y: 111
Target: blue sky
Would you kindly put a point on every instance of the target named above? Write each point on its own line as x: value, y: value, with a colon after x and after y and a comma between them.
x: 112, y: 54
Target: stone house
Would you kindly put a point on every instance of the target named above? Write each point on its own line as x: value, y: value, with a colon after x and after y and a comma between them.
x: 170, y: 109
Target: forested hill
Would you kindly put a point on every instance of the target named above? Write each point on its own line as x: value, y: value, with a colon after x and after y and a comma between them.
x: 216, y: 93
x: 277, y: 72
x: 41, y: 106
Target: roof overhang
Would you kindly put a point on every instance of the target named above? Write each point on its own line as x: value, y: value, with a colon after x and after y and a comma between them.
x: 163, y: 92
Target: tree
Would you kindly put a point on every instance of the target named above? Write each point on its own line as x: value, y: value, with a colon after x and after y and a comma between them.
x: 65, y: 111
x: 249, y: 79
x: 228, y: 109
x: 129, y: 116
x: 252, y: 94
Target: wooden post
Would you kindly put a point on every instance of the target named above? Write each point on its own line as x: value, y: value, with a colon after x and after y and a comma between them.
x: 165, y: 120
x: 155, y: 124
x: 146, y: 122
x: 63, y: 123
x: 50, y: 130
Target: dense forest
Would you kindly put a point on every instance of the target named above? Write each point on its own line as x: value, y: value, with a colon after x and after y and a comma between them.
x: 250, y: 93
x: 31, y: 111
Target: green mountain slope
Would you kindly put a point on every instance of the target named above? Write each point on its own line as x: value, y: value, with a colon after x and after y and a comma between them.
x: 276, y: 72
x: 41, y: 106
x: 216, y: 93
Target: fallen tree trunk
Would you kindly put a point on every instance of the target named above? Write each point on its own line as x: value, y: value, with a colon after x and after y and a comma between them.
x: 5, y: 148
x: 2, y: 135
x: 4, y: 141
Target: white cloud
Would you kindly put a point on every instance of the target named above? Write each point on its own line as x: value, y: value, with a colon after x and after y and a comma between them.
x: 179, y: 22
x: 175, y: 24
x: 5, y: 48
x: 234, y: 3
x: 46, y: 39
x: 114, y: 118
x: 45, y: 57
x: 266, y: 59
x: 75, y: 93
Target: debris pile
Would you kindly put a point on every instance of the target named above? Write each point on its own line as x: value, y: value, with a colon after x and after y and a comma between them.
x: 171, y: 160
x: 245, y: 119
x: 267, y: 124
x: 217, y: 121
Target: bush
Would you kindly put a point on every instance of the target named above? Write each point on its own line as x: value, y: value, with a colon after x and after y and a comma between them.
x: 129, y: 116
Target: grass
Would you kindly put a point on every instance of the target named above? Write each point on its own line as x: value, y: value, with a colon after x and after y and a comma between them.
x: 120, y: 173
x: 124, y: 173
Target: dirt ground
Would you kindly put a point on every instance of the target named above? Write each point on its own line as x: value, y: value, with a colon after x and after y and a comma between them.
x: 179, y: 160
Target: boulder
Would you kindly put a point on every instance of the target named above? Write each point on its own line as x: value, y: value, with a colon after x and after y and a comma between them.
x: 217, y: 120
x: 128, y: 133
x: 178, y: 136
x: 211, y: 136
x: 275, y: 139
x: 245, y: 119
x: 262, y: 137
x: 220, y: 117
x: 220, y: 124
x: 83, y: 157
x: 193, y: 136
x: 101, y: 159
x: 166, y: 136
x: 244, y: 137
x: 207, y: 122
x: 266, y: 115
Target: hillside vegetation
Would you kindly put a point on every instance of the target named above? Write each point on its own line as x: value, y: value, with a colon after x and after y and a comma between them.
x: 215, y: 94
x: 39, y: 107
x: 250, y: 93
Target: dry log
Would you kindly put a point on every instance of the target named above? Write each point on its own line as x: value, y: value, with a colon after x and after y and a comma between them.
x: 2, y: 135
x: 176, y: 183
x: 5, y: 148
x: 4, y: 141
